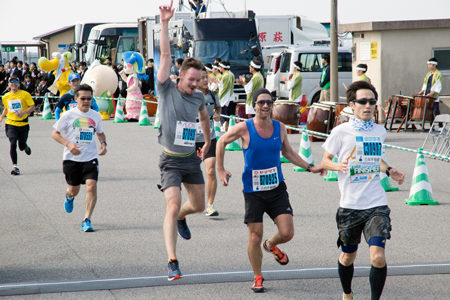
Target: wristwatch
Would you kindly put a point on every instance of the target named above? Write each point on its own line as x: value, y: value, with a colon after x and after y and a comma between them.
x: 387, y: 171
x: 105, y: 143
x: 308, y: 169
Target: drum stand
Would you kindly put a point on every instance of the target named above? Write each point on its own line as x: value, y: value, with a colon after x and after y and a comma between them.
x: 396, y: 106
x: 411, y: 122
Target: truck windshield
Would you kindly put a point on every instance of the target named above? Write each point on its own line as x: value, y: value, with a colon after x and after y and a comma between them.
x: 228, y: 50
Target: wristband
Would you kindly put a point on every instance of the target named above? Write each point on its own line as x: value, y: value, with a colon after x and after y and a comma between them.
x: 104, y: 143
x: 387, y: 171
x: 308, y: 169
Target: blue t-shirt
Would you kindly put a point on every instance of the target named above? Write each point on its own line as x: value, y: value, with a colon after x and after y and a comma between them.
x: 262, y: 171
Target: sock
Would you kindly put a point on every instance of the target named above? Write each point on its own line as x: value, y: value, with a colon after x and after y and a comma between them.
x: 377, y: 278
x: 346, y: 276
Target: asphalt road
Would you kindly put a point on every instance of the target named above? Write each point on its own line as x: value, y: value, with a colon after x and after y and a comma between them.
x: 41, y: 243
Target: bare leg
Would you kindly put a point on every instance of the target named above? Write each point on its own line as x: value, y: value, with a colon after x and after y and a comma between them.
x: 285, y: 231
x: 211, y: 179
x: 91, y: 197
x: 196, y: 201
x: 173, y: 203
x: 255, y: 234
x: 72, y: 191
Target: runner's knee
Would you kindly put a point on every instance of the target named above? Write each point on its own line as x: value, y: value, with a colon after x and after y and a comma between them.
x: 347, y: 259
x: 255, y: 238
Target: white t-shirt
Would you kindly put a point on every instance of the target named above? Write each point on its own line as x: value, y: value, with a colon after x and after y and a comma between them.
x: 360, y: 187
x: 80, y: 128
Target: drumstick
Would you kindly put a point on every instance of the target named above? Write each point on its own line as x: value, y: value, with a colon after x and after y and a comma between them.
x: 345, y: 86
x: 342, y: 97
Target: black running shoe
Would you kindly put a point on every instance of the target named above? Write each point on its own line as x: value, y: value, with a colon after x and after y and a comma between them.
x: 28, y: 150
x: 183, y: 229
x: 15, y: 171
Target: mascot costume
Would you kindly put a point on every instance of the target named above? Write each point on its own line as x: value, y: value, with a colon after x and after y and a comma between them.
x: 60, y: 65
x: 103, y: 80
x: 134, y: 66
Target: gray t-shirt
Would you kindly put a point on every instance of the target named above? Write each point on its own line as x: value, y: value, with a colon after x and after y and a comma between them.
x: 176, y: 108
x: 210, y: 103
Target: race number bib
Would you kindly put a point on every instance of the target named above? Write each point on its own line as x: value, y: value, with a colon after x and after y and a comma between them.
x: 365, y: 165
x: 84, y: 136
x: 72, y: 105
x: 265, y: 180
x: 185, y: 134
x: 15, y: 105
x: 199, y: 128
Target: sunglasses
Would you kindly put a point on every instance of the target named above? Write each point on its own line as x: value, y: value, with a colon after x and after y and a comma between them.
x: 364, y: 101
x: 14, y: 81
x: 262, y: 102
x: 85, y: 99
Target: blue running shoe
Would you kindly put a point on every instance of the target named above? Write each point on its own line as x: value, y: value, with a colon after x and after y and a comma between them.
x: 86, y: 225
x: 183, y: 229
x: 68, y: 204
x: 174, y: 270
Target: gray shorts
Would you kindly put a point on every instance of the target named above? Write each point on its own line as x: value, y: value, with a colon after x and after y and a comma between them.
x: 373, y: 222
x: 178, y: 169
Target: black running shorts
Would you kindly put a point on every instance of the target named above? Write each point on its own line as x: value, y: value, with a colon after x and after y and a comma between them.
x: 373, y: 222
x: 78, y: 172
x: 212, y: 149
x: 274, y: 202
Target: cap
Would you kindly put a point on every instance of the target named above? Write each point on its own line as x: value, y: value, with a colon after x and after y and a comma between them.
x: 13, y: 78
x: 73, y: 76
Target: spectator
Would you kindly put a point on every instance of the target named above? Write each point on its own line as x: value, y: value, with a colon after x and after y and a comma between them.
x: 217, y: 60
x: 26, y: 70
x: 7, y: 67
x: 148, y: 86
x: 29, y: 85
x: 83, y: 69
x: 178, y: 64
x: 14, y: 71
x: 108, y: 61
x: 3, y: 79
x: 35, y: 74
x: 73, y: 66
x: 117, y: 92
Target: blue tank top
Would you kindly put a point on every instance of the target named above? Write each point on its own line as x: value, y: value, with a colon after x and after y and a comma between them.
x: 262, y: 171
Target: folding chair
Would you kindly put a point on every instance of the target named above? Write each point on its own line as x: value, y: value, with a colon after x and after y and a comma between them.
x: 441, y: 140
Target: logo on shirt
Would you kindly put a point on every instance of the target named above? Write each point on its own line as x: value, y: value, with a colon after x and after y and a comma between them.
x: 84, y: 122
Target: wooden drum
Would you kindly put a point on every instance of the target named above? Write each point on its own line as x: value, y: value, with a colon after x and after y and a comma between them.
x: 420, y: 102
x: 240, y: 112
x: 402, y: 105
x: 287, y: 112
x: 344, y: 116
x: 318, y: 117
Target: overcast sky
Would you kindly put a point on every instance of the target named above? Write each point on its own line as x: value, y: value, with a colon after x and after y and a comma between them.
x: 22, y: 20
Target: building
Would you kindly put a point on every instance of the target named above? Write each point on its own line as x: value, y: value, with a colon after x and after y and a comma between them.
x: 396, y: 54
x: 57, y: 40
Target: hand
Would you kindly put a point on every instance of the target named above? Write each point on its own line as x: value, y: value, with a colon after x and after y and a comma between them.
x: 318, y: 169
x: 318, y: 85
x: 283, y: 78
x: 173, y: 77
x: 166, y: 12
x: 74, y: 149
x: 223, y: 174
x: 102, y: 149
x: 19, y: 113
x: 201, y: 152
x: 421, y: 92
x: 397, y: 175
x: 343, y: 167
x: 216, y: 117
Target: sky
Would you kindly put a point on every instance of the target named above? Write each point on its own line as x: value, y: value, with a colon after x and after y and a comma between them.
x: 36, y: 17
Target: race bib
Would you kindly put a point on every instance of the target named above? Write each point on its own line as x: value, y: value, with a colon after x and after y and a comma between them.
x: 185, y: 134
x: 365, y: 165
x: 199, y: 128
x: 15, y: 105
x: 84, y: 136
x: 265, y: 180
x: 72, y: 105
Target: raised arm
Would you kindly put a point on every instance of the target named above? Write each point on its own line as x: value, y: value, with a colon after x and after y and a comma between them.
x: 166, y: 13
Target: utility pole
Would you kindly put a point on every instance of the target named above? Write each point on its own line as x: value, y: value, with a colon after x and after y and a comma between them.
x: 334, y: 88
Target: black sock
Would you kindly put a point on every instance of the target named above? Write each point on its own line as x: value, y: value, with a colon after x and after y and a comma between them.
x: 346, y: 276
x: 377, y: 278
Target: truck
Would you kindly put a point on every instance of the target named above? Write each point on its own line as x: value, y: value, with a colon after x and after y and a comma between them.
x: 232, y: 39
x: 82, y: 31
x: 103, y: 39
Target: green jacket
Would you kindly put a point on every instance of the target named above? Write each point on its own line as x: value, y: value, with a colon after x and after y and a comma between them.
x: 437, y: 78
x: 257, y: 82
x: 296, y: 90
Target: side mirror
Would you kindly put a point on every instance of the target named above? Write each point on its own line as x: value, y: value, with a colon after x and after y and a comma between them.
x: 255, y: 51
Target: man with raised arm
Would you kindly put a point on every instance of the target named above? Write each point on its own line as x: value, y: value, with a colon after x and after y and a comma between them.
x: 179, y: 106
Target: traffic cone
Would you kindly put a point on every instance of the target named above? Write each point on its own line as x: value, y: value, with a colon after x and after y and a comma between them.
x: 331, y: 175
x: 217, y: 130
x: 234, y: 146
x: 47, y: 111
x: 305, y: 152
x: 157, y: 119
x: 420, y: 193
x: 118, y: 116
x: 143, y: 117
x: 385, y: 180
x: 283, y: 159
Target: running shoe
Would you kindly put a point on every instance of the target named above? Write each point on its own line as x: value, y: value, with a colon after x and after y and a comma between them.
x: 28, y: 150
x: 211, y: 212
x: 86, y: 225
x: 15, y: 171
x: 280, y: 256
x: 183, y: 229
x: 68, y: 204
x: 257, y: 286
x: 174, y: 270
x: 353, y: 297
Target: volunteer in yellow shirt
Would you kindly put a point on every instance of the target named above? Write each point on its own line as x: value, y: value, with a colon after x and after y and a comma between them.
x: 18, y: 104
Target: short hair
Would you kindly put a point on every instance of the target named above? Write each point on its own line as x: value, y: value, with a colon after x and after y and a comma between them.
x: 218, y: 59
x: 27, y: 76
x: 13, y: 62
x: 20, y: 62
x: 359, y: 85
x: 82, y: 63
x: 1, y: 65
x: 26, y: 64
x: 109, y: 57
x: 150, y: 60
x: 326, y: 57
x: 179, y: 61
x: 433, y: 59
x: 363, y: 66
x: 191, y: 63
x: 83, y: 87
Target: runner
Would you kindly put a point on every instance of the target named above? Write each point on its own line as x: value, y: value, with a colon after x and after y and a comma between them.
x: 179, y: 106
x: 213, y: 107
x: 363, y: 204
x: 18, y: 104
x: 80, y: 159
x: 264, y: 186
